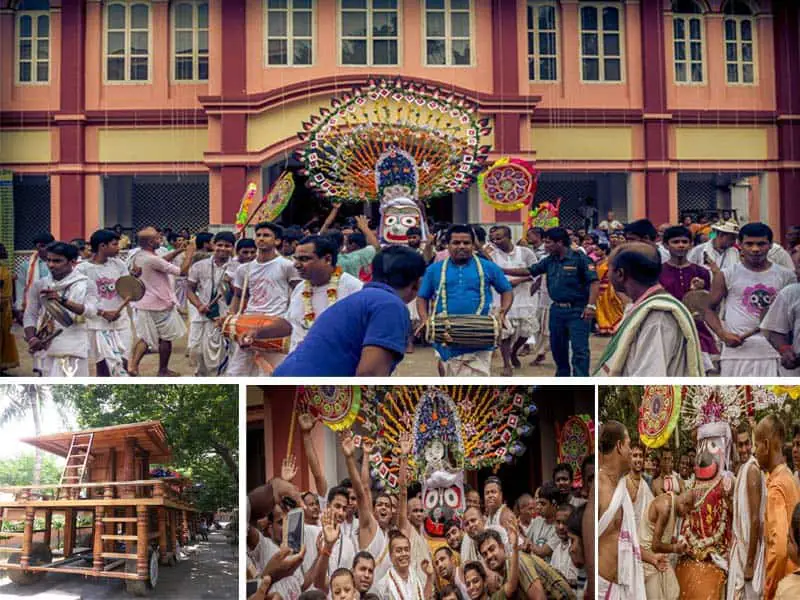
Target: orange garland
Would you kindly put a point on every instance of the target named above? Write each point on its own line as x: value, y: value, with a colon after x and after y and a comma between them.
x: 332, y: 293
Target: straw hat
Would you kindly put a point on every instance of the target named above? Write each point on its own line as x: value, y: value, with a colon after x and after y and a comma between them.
x: 729, y: 226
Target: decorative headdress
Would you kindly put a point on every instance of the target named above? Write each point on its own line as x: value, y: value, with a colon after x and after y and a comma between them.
x: 393, y: 140
x: 509, y: 184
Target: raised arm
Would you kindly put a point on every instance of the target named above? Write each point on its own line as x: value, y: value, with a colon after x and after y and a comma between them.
x: 363, y: 225
x: 366, y: 520
x: 511, y: 584
x: 403, y: 524
x: 330, y: 218
x: 307, y: 423
x: 318, y: 573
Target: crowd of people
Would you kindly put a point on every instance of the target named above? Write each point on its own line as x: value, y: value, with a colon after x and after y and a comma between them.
x: 361, y: 542
x: 664, y: 536
x: 345, y: 303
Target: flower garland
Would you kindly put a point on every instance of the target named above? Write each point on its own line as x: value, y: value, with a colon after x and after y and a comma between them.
x: 331, y: 292
x: 443, y: 286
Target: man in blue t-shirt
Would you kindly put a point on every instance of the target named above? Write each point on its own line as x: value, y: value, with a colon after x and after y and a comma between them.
x: 364, y: 334
x: 469, y: 280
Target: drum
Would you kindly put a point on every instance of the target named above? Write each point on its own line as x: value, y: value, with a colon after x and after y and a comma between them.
x: 697, y: 302
x: 235, y: 327
x: 58, y: 313
x: 130, y: 288
x: 464, y: 331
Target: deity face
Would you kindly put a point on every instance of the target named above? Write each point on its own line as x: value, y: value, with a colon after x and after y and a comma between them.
x: 710, y: 460
x: 395, y: 222
x: 441, y: 503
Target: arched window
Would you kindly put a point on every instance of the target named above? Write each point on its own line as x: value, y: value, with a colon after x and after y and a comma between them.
x: 740, y: 42
x: 601, y: 41
x: 542, y: 18
x: 190, y: 40
x: 687, y: 35
x: 127, y: 43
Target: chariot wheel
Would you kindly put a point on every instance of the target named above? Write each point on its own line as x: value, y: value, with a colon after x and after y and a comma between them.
x: 40, y: 555
x: 139, y: 588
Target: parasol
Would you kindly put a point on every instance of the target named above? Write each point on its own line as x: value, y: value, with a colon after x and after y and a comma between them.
x: 659, y: 414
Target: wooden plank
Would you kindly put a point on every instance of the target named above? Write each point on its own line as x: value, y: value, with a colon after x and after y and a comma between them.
x: 113, y: 565
x: 119, y: 555
x: 87, y: 572
x: 10, y: 549
x: 119, y: 519
x: 127, y: 538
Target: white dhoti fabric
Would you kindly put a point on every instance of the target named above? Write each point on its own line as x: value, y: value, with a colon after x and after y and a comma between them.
x: 112, y: 346
x: 519, y: 327
x: 413, y: 313
x: 155, y: 325
x: 470, y: 364
x: 253, y: 363
x: 538, y: 339
x: 608, y: 590
x: 207, y: 347
x: 738, y: 588
x: 630, y: 572
x: 749, y: 367
x: 65, y: 366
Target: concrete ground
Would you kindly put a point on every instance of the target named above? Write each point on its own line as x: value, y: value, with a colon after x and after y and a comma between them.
x: 421, y: 363
x: 211, y: 571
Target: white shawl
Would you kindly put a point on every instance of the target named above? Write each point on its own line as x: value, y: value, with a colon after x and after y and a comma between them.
x: 644, y: 496
x: 741, y: 539
x: 630, y: 573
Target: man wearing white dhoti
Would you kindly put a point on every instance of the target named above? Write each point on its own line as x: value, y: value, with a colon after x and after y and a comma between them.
x: 746, y: 563
x: 109, y: 332
x: 207, y: 304
x: 621, y: 573
x: 66, y: 353
x: 638, y: 489
x: 749, y: 288
x: 400, y: 581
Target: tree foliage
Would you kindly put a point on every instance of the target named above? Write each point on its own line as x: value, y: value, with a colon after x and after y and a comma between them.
x: 18, y: 470
x: 201, y: 422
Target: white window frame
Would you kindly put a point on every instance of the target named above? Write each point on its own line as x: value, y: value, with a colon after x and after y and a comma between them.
x: 35, y: 38
x: 687, y: 42
x: 601, y: 56
x: 196, y: 29
x: 369, y: 37
x: 537, y: 55
x: 740, y: 62
x: 448, y: 38
x: 126, y: 49
x: 290, y: 36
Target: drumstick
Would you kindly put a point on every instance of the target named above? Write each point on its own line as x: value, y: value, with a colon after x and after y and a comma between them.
x: 291, y: 428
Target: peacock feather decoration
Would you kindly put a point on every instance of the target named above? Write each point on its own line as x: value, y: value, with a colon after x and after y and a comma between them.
x: 393, y: 138
x: 476, y: 427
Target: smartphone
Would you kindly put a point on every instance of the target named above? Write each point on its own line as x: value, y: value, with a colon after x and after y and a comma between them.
x: 293, y: 529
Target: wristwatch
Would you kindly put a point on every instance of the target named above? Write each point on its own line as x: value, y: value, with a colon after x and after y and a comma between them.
x: 592, y: 306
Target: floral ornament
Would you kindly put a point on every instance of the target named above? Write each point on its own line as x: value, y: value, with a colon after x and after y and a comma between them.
x: 659, y: 414
x: 331, y: 293
x: 545, y: 215
x: 575, y: 443
x: 509, y: 184
x: 336, y: 405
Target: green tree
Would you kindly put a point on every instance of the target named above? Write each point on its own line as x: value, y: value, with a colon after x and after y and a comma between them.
x: 20, y: 402
x: 18, y: 470
x: 201, y: 422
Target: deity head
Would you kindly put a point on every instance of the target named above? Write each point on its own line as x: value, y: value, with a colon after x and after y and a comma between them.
x: 713, y: 451
x: 396, y: 180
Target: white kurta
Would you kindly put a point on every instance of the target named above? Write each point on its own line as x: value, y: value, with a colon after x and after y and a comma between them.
x: 658, y: 350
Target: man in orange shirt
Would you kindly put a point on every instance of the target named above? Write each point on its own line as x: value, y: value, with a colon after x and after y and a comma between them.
x: 782, y: 496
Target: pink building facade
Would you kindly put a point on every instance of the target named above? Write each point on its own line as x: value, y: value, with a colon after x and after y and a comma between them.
x: 161, y: 112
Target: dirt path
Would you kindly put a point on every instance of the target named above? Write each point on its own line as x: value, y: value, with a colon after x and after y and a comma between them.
x: 211, y: 571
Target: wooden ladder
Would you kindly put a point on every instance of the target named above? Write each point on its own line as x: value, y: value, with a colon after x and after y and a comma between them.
x: 77, y: 458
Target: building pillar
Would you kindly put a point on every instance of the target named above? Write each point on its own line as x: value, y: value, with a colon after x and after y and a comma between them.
x: 656, y: 123
x: 142, y: 537
x: 69, y: 531
x: 27, y: 538
x: 97, y: 545
x: 787, y: 65
x: 231, y: 180
x: 70, y: 121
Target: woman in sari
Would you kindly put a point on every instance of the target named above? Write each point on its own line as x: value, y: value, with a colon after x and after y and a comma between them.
x: 9, y: 359
x: 609, y: 306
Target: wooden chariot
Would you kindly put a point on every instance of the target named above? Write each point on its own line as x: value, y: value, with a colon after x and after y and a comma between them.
x: 132, y: 523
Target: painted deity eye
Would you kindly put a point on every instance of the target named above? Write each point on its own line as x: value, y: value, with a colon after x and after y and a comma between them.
x: 408, y: 221
x: 452, y: 497
x: 391, y: 220
x: 431, y: 499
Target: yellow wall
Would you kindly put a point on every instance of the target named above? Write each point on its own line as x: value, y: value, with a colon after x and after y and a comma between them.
x: 284, y: 122
x: 152, y: 145
x: 582, y: 143
x: 721, y: 143
x: 29, y: 146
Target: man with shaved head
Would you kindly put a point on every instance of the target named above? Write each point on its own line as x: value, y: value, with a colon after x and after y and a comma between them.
x: 657, y: 336
x: 782, y: 496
